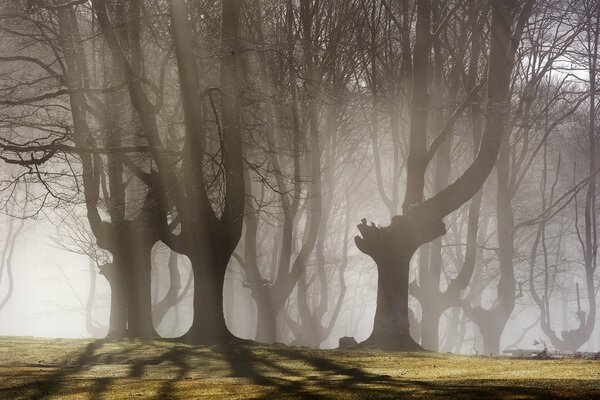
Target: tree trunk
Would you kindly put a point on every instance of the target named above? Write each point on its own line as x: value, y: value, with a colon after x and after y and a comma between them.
x: 139, y: 290
x: 391, y: 325
x: 430, y: 323
x: 266, y: 325
x: 208, y: 325
x: 129, y: 277
x: 491, y: 339
x: 453, y: 331
x: 117, y: 326
x: 392, y: 248
x: 173, y: 296
x: 493, y: 321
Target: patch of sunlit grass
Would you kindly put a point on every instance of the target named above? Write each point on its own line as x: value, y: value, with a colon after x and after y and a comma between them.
x: 74, y: 369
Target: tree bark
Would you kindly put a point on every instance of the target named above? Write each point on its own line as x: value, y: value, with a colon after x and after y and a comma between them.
x: 392, y: 248
x: 208, y: 325
x: 117, y: 324
x: 129, y: 277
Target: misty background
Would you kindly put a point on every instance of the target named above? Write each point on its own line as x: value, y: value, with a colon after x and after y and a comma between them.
x: 318, y: 132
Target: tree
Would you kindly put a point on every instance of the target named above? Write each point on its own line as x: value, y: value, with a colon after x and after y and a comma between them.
x: 170, y: 191
x: 573, y: 339
x: 6, y: 260
x: 392, y: 247
x: 535, y: 108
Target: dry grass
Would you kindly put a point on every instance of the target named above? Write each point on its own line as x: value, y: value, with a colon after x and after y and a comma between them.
x: 84, y: 369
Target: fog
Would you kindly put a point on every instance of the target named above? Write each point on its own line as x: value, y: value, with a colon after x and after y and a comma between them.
x: 412, y: 175
x: 52, y: 289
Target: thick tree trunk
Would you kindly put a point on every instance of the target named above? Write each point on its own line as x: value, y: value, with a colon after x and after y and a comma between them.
x: 139, y: 290
x: 392, y: 248
x: 129, y: 277
x: 391, y: 325
x: 117, y: 325
x: 208, y: 325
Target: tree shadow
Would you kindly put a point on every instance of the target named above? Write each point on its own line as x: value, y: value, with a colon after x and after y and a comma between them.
x: 325, y: 378
x: 280, y: 372
x: 56, y: 381
x: 330, y: 379
x: 245, y: 363
x: 178, y: 356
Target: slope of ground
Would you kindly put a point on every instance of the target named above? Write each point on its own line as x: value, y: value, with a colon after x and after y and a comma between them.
x: 84, y: 369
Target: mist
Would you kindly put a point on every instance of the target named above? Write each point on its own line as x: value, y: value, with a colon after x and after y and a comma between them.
x: 371, y: 174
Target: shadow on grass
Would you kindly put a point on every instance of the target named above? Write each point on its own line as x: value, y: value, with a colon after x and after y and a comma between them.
x: 323, y: 378
x: 178, y: 357
x: 59, y: 378
x: 282, y: 372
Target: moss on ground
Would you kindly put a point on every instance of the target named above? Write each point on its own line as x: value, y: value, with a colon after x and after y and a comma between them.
x: 86, y: 369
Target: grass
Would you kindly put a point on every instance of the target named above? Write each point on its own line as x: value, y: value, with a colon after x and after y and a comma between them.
x: 85, y: 369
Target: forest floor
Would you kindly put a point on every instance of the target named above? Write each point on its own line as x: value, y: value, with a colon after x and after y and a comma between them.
x: 85, y: 369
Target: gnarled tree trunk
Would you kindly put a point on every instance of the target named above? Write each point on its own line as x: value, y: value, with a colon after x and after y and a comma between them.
x: 392, y: 248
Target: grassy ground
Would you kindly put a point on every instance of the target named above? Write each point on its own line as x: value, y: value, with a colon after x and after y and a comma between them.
x: 84, y: 369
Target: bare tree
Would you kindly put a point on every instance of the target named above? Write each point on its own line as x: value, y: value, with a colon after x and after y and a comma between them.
x: 392, y: 247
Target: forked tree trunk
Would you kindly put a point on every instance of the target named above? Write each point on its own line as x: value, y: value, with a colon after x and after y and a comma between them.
x: 209, y: 241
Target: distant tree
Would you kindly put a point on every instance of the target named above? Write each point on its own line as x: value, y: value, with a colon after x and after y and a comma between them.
x: 552, y: 203
x: 539, y: 109
x: 175, y: 293
x: 7, y: 282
